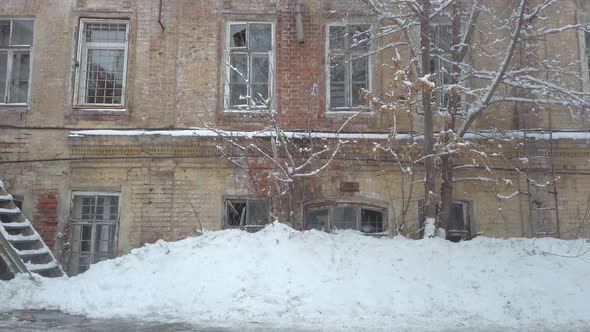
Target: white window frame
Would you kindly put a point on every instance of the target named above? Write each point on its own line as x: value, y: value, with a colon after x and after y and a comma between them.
x: 11, y: 49
x: 81, y: 54
x: 75, y: 221
x: 227, y: 107
x: 348, y: 83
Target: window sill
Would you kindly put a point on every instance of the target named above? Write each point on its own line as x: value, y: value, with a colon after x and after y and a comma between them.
x: 14, y: 107
x: 349, y: 112
x: 260, y: 111
x: 100, y: 109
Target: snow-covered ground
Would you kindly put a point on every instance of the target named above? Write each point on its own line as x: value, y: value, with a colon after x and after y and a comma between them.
x: 284, y: 278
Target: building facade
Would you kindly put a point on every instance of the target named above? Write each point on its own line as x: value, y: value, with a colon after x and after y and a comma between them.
x: 121, y: 123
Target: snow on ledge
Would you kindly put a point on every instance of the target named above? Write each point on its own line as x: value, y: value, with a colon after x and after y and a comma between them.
x: 204, y: 132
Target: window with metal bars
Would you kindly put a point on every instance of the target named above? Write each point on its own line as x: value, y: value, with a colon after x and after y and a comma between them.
x: 16, y: 43
x: 349, y: 69
x: 101, y: 63
x: 248, y: 86
x: 346, y: 216
x: 94, y: 219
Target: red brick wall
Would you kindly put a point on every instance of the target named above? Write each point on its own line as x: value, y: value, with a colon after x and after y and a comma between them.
x: 45, y: 214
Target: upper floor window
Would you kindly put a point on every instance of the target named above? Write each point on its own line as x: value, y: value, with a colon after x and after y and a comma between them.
x: 94, y: 218
x: 348, y: 66
x: 248, y: 86
x: 101, y: 63
x: 16, y: 42
x: 441, y: 40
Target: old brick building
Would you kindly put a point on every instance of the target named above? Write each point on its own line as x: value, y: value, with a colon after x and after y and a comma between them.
x: 102, y: 100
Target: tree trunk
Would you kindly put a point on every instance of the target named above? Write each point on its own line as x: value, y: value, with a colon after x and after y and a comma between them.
x: 446, y: 185
x: 429, y: 190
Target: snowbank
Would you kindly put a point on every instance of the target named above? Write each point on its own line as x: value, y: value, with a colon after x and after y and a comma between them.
x: 283, y: 278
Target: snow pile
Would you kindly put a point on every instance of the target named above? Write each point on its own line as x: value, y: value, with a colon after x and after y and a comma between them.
x: 282, y: 278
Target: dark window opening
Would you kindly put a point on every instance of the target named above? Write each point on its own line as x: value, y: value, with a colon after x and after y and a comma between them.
x: 5, y: 273
x: 459, y: 227
x: 371, y: 221
x: 346, y: 216
x: 246, y: 212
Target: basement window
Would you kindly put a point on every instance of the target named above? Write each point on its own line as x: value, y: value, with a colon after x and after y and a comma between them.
x: 95, y: 220
x: 459, y: 227
x: 246, y: 213
x: 16, y: 43
x: 366, y: 219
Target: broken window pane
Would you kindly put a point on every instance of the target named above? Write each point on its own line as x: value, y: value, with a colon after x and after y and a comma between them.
x: 318, y: 219
x: 345, y: 217
x: 235, y: 212
x: 371, y: 221
x: 22, y: 32
x: 260, y: 36
x: 237, y: 35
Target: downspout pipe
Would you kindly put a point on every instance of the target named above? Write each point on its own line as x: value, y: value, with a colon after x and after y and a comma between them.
x: 299, y: 22
x: 160, y: 16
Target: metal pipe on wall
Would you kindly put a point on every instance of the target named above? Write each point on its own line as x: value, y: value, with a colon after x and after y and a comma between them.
x: 299, y: 22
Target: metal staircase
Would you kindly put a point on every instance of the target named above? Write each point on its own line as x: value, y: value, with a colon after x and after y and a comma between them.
x: 21, y: 247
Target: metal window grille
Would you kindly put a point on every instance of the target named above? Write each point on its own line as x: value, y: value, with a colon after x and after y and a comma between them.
x: 102, y: 62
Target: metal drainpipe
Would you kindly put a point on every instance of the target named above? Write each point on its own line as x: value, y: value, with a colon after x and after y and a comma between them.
x: 299, y: 22
x: 160, y: 16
